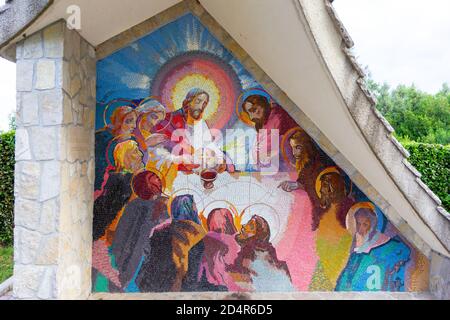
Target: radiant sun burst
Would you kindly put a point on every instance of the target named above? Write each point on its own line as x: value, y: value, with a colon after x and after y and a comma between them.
x: 191, y: 81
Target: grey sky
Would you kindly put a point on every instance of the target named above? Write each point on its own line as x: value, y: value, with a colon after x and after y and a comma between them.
x: 7, y: 91
x: 402, y: 42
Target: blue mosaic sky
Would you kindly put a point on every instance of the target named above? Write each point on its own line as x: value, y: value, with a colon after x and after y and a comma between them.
x: 129, y: 72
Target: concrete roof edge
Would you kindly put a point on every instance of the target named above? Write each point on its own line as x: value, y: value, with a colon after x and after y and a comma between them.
x: 422, y: 199
x: 15, y: 17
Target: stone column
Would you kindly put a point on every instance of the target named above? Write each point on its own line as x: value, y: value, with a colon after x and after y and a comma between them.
x: 440, y: 276
x: 55, y: 165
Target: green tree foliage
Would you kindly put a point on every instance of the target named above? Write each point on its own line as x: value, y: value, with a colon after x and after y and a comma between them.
x: 415, y: 115
x: 422, y: 123
x: 6, y: 187
x: 433, y: 161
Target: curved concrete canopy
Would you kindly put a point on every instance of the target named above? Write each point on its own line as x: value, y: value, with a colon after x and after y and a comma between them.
x: 16, y: 17
x: 299, y: 47
x: 100, y: 19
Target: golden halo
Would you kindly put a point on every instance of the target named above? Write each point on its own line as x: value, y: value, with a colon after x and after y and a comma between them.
x: 232, y: 208
x: 114, y: 101
x: 286, y: 136
x: 350, y: 223
x: 155, y: 98
x: 155, y: 171
x: 319, y: 182
x: 194, y: 80
x: 274, y: 229
x: 243, y: 115
x: 150, y: 98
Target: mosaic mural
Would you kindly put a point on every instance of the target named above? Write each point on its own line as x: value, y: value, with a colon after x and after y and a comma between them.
x: 205, y: 183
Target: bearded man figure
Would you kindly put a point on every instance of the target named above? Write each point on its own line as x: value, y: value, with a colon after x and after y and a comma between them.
x: 329, y: 221
x: 193, y: 136
x: 257, y: 267
x: 269, y: 119
x: 308, y: 164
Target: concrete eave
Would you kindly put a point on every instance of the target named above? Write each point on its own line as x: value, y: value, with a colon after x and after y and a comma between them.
x: 15, y: 17
x: 375, y: 128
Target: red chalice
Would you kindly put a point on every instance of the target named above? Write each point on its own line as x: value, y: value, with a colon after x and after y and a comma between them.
x: 208, y: 177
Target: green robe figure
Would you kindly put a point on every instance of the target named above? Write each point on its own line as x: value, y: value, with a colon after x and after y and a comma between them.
x: 377, y: 262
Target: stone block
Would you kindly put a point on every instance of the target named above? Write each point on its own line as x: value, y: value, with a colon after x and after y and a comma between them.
x: 66, y: 76
x: 19, y: 50
x: 19, y: 99
x: 68, y: 47
x: 75, y: 86
x: 91, y: 171
x: 27, y: 180
x: 54, y: 41
x: 67, y: 110
x: 49, y: 217
x: 23, y: 151
x: 50, y: 180
x: 29, y: 109
x: 47, y: 288
x: 83, y: 49
x: 70, y: 285
x: 84, y: 168
x: 26, y: 281
x: 32, y: 47
x: 440, y: 276
x: 72, y: 45
x: 44, y: 142
x: 51, y: 107
x: 92, y: 90
x: 25, y: 70
x: 91, y: 52
x: 27, y: 244
x: 74, y: 68
x: 79, y: 144
x: 27, y: 213
x: 48, y: 251
x: 88, y: 118
x: 45, y: 74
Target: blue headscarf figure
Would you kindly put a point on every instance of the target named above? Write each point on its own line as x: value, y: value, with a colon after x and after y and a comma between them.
x: 183, y: 208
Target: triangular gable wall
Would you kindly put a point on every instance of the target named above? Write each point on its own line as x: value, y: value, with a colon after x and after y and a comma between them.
x: 318, y: 254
